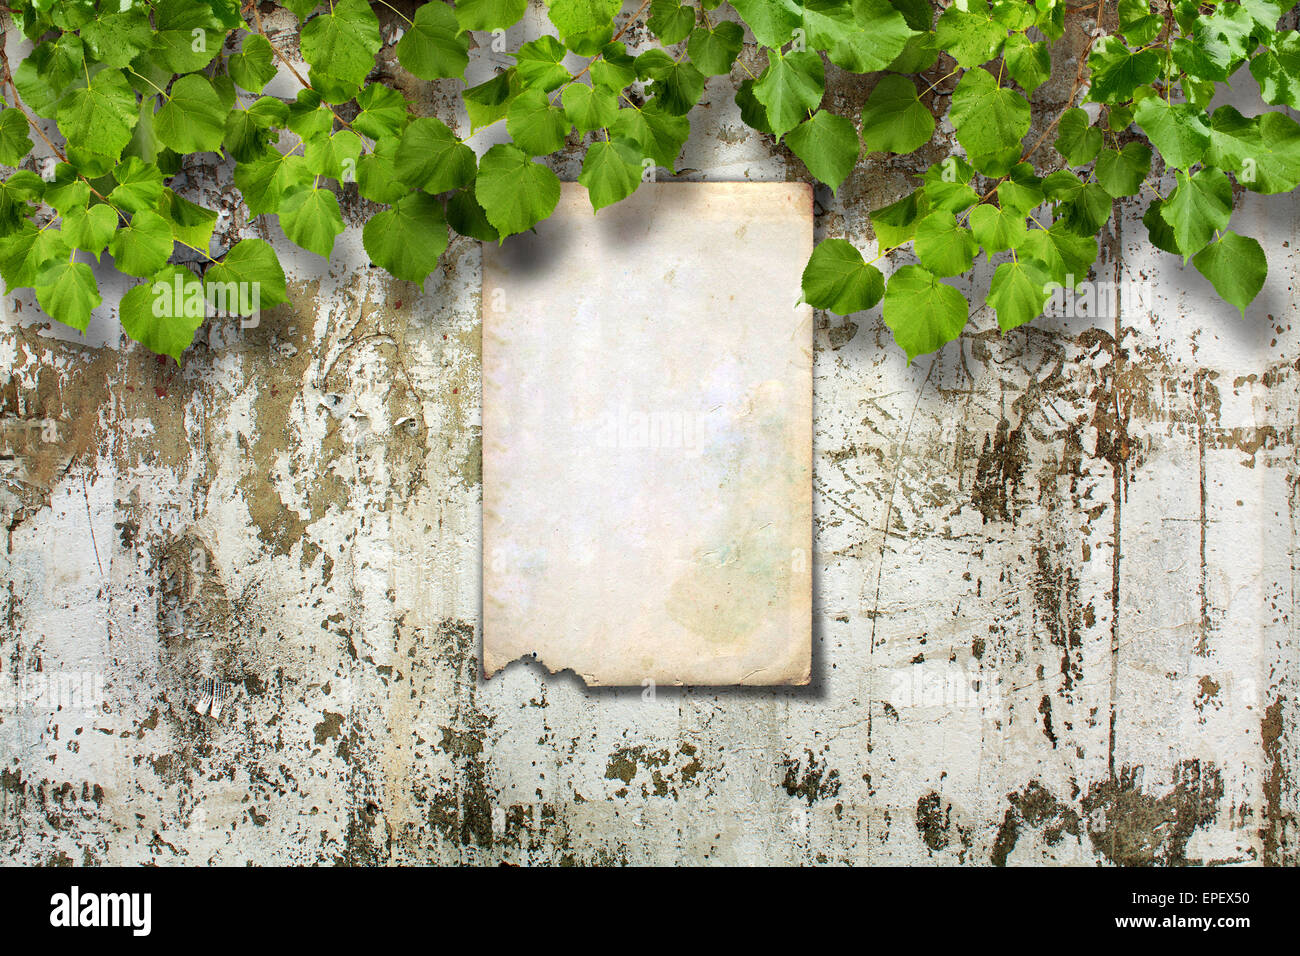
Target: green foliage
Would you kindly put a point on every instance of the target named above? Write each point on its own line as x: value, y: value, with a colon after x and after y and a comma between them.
x: 130, y: 91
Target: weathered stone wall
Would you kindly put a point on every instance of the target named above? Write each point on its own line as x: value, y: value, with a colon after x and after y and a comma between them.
x: 1054, y: 608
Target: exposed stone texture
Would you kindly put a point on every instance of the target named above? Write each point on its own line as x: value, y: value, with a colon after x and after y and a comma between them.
x: 1054, y: 610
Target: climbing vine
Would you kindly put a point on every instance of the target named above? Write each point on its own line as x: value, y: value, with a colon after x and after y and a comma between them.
x: 113, y: 98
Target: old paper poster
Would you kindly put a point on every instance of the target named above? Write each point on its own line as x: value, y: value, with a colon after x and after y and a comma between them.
x: 647, y: 438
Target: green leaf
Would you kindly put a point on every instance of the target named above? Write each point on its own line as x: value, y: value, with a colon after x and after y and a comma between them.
x: 670, y: 21
x: 713, y: 51
x: 790, y: 88
x: 97, y: 121
x: 23, y: 254
x: 585, y: 25
x: 408, y: 238
x: 1178, y: 130
x: 990, y: 121
x: 14, y: 141
x: 263, y: 182
x: 836, y: 278
x: 610, y: 171
x: 430, y: 157
x: 1076, y: 138
x: 254, y: 65
x: 311, y: 219
x: 67, y: 292
x: 1117, y: 71
x: 828, y: 146
x: 1063, y: 253
x: 615, y: 69
x: 894, y: 120
x: 177, y: 48
x: 943, y: 247
x: 1158, y: 231
x: 383, y: 112
x: 1018, y: 292
x: 923, y: 313
x: 535, y: 125
x: 1088, y: 211
x: 489, y: 101
x: 1263, y: 151
x: 1235, y: 266
x: 540, y: 63
x: 118, y: 38
x: 143, y: 247
x: 861, y: 36
x: 895, y: 224
x: 515, y: 192
x: 659, y: 135
x: 334, y: 157
x: 90, y: 228
x: 1029, y: 63
x: 971, y: 38
x: 191, y: 223
x: 158, y: 318
x: 752, y: 113
x: 467, y: 217
x: 589, y: 108
x: 677, y: 85
x: 251, y: 263
x: 433, y: 47
x: 489, y: 14
x: 1122, y: 172
x: 377, y: 177
x: 1277, y: 70
x: 340, y: 47
x: 771, y: 21
x: 1136, y: 21
x: 193, y: 120
x: 1200, y: 205
x: 997, y: 228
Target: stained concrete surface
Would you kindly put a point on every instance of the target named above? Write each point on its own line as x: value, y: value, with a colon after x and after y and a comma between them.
x: 1054, y: 572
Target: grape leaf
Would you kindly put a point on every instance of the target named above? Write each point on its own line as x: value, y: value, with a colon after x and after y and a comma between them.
x: 67, y: 291
x: 1117, y: 71
x: 535, y: 125
x: 433, y: 47
x: 836, y: 278
x: 90, y: 228
x: 828, y: 146
x: 193, y: 120
x: 923, y: 312
x: 1277, y: 70
x: 254, y: 65
x: 14, y: 141
x: 772, y: 21
x: 610, y: 171
x: 1198, y: 206
x: 1018, y: 292
x: 310, y: 217
x: 861, y: 36
x: 713, y: 51
x: 515, y: 192
x: 658, y: 134
x: 142, y: 248
x: 540, y: 63
x: 429, y: 156
x: 1235, y: 266
x: 1076, y: 138
x: 990, y: 121
x: 97, y: 120
x: 997, y: 228
x: 251, y: 264
x: 790, y: 88
x: 1178, y: 130
x: 1263, y: 151
x: 971, y: 38
x: 489, y: 14
x: 408, y: 238
x: 589, y: 108
x: 1121, y: 172
x: 670, y: 21
x: 894, y: 120
x: 340, y: 47
x: 161, y: 320
x: 943, y: 247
